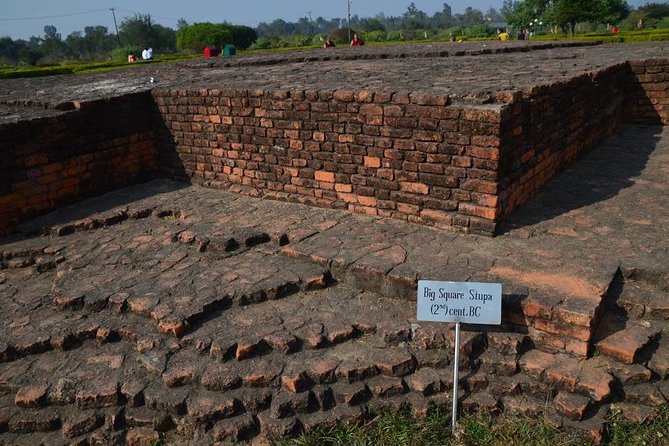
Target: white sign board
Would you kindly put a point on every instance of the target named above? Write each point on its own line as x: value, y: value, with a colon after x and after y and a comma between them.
x: 466, y: 302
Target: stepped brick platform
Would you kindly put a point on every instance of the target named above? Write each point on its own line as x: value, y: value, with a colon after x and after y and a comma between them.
x: 174, y: 310
x: 416, y: 133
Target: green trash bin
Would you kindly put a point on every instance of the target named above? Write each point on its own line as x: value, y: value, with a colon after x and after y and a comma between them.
x: 229, y: 50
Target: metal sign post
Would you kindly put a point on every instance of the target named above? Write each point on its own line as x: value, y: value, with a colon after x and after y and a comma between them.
x: 459, y: 302
x: 456, y: 377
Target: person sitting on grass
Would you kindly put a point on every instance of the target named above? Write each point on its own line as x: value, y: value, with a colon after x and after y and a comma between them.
x: 132, y: 58
x: 328, y: 43
x: 503, y: 35
x: 357, y: 41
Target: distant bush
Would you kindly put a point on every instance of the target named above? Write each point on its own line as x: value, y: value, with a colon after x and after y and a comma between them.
x: 376, y: 36
x: 317, y: 40
x: 199, y: 35
x: 262, y: 43
x: 394, y: 36
x: 480, y: 31
x: 341, y: 35
x: 302, y: 40
x: 30, y: 56
x: 242, y: 36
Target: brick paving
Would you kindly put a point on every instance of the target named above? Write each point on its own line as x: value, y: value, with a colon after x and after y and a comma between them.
x: 452, y: 69
x: 172, y: 311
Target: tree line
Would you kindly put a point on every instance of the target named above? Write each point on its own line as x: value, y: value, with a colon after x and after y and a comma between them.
x: 140, y: 31
x: 134, y: 34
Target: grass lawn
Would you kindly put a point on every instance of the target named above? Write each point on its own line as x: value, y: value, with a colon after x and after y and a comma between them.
x: 481, y: 430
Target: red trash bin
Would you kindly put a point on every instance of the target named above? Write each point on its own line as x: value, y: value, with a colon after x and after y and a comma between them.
x: 212, y: 51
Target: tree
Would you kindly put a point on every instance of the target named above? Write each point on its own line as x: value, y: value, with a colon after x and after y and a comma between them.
x: 617, y: 11
x: 656, y: 10
x: 493, y: 16
x: 164, y: 39
x: 9, y: 50
x: 139, y: 30
x: 508, y: 7
x: 647, y: 16
x: 30, y: 54
x: 98, y: 39
x: 275, y: 29
x: 414, y: 18
x: 443, y: 18
x: 242, y: 36
x: 52, y: 43
x: 525, y: 12
x: 470, y: 17
x: 197, y: 36
x: 304, y: 26
x: 76, y: 46
x: 566, y: 13
x: 181, y: 23
x: 373, y: 24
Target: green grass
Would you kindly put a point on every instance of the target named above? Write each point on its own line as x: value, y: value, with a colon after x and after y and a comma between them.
x: 624, y: 433
x: 480, y: 430
x: 607, y: 37
x: 70, y: 67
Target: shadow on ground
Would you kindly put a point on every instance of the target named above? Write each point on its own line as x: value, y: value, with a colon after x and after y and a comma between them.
x: 597, y: 176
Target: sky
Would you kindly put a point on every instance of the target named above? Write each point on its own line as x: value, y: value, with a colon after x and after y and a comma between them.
x: 21, y: 19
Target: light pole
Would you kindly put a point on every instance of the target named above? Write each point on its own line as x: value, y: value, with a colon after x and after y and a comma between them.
x: 115, y: 26
x: 348, y: 22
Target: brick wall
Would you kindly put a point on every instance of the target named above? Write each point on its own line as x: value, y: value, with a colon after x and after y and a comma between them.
x: 647, y: 92
x: 415, y: 157
x: 553, y: 124
x: 48, y: 162
x: 410, y: 156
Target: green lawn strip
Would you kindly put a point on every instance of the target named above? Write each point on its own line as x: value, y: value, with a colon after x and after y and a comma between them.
x: 654, y: 433
x: 483, y: 429
x: 68, y: 67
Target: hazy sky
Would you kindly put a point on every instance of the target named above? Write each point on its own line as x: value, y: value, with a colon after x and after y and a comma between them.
x: 25, y: 18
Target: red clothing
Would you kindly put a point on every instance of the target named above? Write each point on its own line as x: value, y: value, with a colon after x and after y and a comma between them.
x: 357, y: 42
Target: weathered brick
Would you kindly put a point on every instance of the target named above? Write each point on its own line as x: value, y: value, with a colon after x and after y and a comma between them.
x: 211, y: 406
x: 535, y: 363
x: 626, y: 345
x: 478, y: 211
x: 371, y: 109
x: 425, y: 381
x: 416, y: 188
x: 32, y: 396
x: 372, y: 162
x: 570, y: 405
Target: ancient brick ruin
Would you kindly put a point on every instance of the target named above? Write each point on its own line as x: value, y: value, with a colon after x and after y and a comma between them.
x: 452, y: 161
x: 171, y: 310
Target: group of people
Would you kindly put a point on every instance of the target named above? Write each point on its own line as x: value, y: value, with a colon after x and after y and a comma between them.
x: 147, y: 54
x: 356, y: 41
x: 523, y: 34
